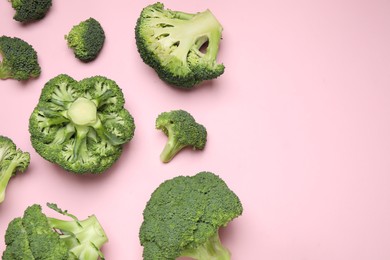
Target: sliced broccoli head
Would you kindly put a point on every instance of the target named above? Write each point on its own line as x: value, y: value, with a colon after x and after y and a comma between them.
x: 171, y: 42
x: 183, y: 217
x: 86, y: 39
x: 12, y: 161
x: 182, y: 131
x: 19, y: 59
x: 81, y: 126
x: 30, y: 10
x: 36, y: 236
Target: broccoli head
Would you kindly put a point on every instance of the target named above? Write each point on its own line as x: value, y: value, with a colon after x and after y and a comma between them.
x: 12, y: 160
x: 81, y: 126
x: 86, y: 39
x: 19, y: 59
x: 30, y: 10
x: 37, y: 236
x: 182, y: 131
x: 171, y: 42
x: 183, y: 217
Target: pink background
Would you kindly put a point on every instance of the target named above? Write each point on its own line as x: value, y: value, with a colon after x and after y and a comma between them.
x: 298, y: 125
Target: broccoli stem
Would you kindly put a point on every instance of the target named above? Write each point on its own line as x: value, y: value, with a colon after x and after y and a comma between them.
x: 83, y: 238
x: 81, y: 140
x: 4, y: 72
x: 211, y: 250
x: 7, y: 174
x: 83, y: 112
x: 171, y: 148
x: 203, y: 24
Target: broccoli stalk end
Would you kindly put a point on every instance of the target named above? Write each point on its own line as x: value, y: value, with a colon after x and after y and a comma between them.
x: 212, y: 249
x: 84, y: 238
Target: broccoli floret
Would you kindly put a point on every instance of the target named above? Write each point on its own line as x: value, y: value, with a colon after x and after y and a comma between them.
x: 171, y: 43
x: 86, y: 39
x: 37, y: 236
x: 19, y: 59
x: 183, y: 217
x: 182, y: 131
x: 30, y: 10
x: 12, y: 160
x: 81, y: 126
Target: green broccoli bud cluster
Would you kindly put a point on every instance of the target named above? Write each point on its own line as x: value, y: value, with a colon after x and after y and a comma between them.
x: 81, y: 126
x: 171, y: 43
x: 183, y: 217
x: 37, y: 236
x: 86, y: 39
x: 182, y: 131
x: 30, y: 10
x: 19, y: 59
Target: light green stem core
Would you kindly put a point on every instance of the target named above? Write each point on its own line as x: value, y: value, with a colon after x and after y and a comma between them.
x: 83, y: 238
x: 83, y: 112
x: 4, y: 179
x: 211, y: 250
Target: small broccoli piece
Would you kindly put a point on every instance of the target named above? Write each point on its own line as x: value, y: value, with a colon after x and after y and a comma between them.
x: 81, y: 126
x: 12, y: 160
x: 37, y: 236
x: 171, y: 43
x: 182, y: 131
x: 30, y: 10
x: 86, y: 39
x: 19, y: 59
x: 183, y: 217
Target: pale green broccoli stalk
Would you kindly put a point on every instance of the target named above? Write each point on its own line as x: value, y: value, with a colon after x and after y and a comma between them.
x: 19, y: 59
x: 30, y: 10
x: 183, y: 217
x: 81, y: 126
x: 12, y: 161
x: 171, y: 43
x: 182, y: 131
x: 36, y: 236
x: 86, y: 39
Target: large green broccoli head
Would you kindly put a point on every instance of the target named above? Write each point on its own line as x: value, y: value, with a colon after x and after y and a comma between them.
x: 184, y: 214
x: 171, y: 42
x: 36, y: 236
x: 81, y: 126
x: 30, y: 10
x: 182, y: 131
x: 31, y: 237
x: 19, y: 59
x: 86, y: 39
x: 12, y: 160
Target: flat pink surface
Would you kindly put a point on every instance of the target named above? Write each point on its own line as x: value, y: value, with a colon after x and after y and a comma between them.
x: 298, y: 125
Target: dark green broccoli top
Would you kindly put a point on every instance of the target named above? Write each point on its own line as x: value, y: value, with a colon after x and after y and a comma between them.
x: 30, y: 10
x: 86, y: 39
x: 20, y: 60
x: 182, y: 131
x: 81, y: 126
x: 185, y: 213
x: 171, y: 42
x: 36, y: 236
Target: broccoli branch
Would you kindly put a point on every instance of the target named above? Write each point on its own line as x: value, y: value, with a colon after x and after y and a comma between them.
x: 19, y: 162
x: 212, y: 249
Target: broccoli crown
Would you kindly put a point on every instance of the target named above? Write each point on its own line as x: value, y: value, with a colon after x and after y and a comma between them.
x: 81, y: 126
x: 36, y: 236
x: 183, y: 216
x: 171, y: 41
x: 20, y: 60
x: 182, y: 131
x: 86, y: 39
x: 12, y: 160
x: 30, y: 10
